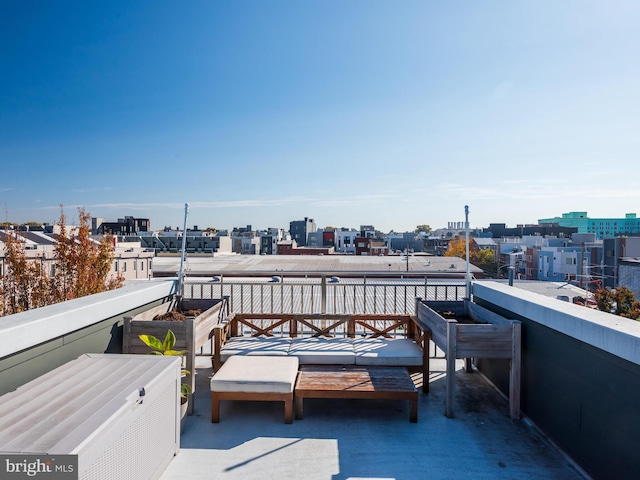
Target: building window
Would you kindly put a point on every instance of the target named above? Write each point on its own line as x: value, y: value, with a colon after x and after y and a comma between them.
x: 142, y: 266
x: 124, y: 266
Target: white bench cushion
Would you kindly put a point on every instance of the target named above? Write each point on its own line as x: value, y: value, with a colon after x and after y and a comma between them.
x: 272, y: 346
x: 251, y: 374
x: 390, y: 352
x: 323, y: 351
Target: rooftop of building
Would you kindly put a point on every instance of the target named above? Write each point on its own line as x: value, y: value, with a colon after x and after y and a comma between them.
x: 349, y: 439
x: 557, y: 290
x: 248, y: 264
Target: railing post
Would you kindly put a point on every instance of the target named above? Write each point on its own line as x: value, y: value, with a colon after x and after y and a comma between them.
x: 364, y: 295
x: 323, y: 289
x: 405, y: 299
x: 344, y: 299
x: 426, y: 279
x: 226, y: 302
x: 375, y: 300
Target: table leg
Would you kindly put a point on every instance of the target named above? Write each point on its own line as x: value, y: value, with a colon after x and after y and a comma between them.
x: 299, y: 412
x: 288, y: 410
x: 413, y: 411
x: 215, y: 410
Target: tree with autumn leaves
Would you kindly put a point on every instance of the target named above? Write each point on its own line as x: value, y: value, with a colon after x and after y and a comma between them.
x: 24, y: 285
x: 483, y: 258
x: 82, y: 267
x: 620, y: 301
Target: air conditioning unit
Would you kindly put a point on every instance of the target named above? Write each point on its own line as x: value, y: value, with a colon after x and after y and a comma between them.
x: 118, y: 413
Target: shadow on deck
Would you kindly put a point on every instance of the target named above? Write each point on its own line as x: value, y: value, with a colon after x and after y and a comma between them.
x: 367, y: 439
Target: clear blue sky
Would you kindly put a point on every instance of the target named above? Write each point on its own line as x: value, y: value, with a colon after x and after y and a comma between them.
x: 349, y: 112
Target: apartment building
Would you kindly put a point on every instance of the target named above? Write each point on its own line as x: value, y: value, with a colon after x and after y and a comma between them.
x: 269, y: 240
x: 601, y: 227
x: 124, y: 226
x: 197, y: 241
x: 300, y: 229
x: 346, y: 240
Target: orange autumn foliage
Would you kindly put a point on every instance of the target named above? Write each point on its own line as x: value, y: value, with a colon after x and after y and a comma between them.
x: 82, y: 267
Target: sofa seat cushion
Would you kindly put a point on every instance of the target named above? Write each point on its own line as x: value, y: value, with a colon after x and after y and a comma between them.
x: 272, y: 346
x: 323, y: 351
x: 390, y: 352
x: 251, y: 374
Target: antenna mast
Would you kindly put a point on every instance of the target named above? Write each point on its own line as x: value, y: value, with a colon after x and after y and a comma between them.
x: 184, y: 244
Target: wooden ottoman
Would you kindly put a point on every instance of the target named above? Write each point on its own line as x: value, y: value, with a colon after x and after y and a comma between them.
x: 262, y: 378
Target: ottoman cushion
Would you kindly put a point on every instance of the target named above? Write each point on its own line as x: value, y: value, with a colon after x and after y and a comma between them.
x: 252, y: 374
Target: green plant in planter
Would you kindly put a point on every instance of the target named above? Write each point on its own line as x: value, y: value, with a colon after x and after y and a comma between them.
x: 166, y: 348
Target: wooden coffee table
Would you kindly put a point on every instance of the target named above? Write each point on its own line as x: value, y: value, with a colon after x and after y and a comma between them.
x: 351, y: 381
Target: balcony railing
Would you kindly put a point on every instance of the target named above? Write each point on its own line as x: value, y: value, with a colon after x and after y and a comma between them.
x: 325, y: 294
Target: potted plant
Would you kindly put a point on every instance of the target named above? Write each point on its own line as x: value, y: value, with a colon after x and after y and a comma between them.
x: 191, y: 334
x: 166, y: 348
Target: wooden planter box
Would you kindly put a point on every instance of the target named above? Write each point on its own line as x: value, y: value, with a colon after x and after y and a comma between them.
x: 191, y: 334
x: 473, y: 332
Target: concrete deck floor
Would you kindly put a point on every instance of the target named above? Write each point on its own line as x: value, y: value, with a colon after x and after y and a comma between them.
x: 367, y: 439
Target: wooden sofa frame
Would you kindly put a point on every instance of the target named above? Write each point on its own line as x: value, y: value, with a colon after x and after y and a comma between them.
x: 325, y: 326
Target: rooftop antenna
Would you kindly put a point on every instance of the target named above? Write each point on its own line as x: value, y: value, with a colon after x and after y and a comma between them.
x: 466, y: 227
x: 184, y: 244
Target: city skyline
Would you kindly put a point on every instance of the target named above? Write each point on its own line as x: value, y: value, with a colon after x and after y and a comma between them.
x: 350, y: 113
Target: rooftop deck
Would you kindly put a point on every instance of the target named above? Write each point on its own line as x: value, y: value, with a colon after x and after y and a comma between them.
x: 580, y: 385
x: 367, y: 439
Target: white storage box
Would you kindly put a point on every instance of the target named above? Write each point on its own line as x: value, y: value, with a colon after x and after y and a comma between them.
x: 118, y: 413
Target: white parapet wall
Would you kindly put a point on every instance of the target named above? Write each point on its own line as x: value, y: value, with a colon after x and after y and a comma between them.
x: 33, y: 327
x: 611, y: 333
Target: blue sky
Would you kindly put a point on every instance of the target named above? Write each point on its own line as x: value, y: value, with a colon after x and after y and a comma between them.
x: 349, y: 112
